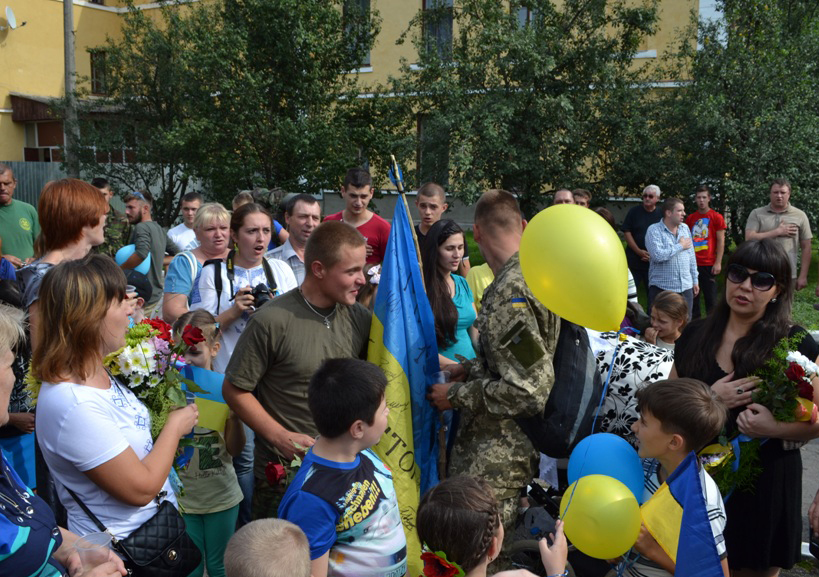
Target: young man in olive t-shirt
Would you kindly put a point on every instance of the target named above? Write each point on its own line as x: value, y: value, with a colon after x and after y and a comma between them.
x: 283, y: 345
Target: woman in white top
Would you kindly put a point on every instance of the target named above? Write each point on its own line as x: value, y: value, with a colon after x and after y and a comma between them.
x: 226, y: 288
x: 94, y: 433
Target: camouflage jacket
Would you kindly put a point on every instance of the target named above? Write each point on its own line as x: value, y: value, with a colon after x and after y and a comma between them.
x: 117, y: 231
x: 511, y: 377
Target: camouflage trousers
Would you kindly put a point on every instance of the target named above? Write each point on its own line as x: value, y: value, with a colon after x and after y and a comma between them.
x: 508, y: 509
x: 266, y: 499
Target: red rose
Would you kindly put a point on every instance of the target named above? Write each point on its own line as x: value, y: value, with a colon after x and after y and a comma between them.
x: 160, y: 326
x: 275, y: 473
x: 192, y: 336
x: 795, y: 372
x: 435, y: 566
x: 805, y: 390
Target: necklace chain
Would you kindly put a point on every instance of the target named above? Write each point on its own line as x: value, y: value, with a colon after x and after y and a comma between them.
x: 25, y: 509
x: 326, y: 318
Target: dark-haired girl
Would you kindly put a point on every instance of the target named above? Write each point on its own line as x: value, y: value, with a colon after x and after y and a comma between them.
x: 763, y: 533
x: 459, y: 525
x: 449, y: 294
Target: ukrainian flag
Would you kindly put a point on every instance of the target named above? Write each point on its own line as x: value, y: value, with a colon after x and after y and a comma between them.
x: 677, y: 518
x: 213, y: 410
x: 402, y: 343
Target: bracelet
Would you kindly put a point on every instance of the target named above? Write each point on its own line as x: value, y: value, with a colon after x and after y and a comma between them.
x: 564, y: 574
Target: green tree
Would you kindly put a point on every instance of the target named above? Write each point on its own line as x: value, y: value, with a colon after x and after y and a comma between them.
x: 231, y: 94
x: 529, y: 96
x: 746, y: 109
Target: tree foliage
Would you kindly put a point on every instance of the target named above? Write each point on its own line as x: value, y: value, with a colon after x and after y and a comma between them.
x: 231, y: 94
x: 746, y: 109
x: 529, y: 96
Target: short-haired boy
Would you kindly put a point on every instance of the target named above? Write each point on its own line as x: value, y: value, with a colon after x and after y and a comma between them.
x: 677, y: 416
x: 431, y: 204
x: 342, y: 496
x: 268, y: 548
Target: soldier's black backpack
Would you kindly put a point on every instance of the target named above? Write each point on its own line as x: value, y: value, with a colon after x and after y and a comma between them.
x: 569, y: 413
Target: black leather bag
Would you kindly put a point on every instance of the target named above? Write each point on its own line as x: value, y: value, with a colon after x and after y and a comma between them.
x: 160, y: 547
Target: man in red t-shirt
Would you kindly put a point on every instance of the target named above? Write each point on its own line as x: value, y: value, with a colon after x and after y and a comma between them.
x: 708, y: 231
x: 357, y: 192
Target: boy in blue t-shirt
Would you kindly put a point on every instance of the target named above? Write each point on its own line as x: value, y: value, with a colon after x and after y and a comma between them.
x: 342, y: 496
x: 677, y: 416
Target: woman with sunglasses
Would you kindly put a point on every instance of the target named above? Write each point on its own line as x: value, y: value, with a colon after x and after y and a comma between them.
x: 763, y: 533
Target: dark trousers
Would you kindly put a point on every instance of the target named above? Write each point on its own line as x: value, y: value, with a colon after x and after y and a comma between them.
x: 639, y: 270
x: 708, y: 291
x: 688, y: 295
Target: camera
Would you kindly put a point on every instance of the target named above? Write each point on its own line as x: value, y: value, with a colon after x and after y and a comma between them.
x: 261, y: 294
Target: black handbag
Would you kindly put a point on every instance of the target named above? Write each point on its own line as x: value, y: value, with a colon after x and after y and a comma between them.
x: 160, y: 547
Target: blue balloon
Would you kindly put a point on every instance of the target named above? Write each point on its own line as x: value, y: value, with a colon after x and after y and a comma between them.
x: 607, y: 454
x: 125, y: 253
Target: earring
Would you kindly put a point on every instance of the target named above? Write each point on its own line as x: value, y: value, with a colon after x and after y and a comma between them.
x: 773, y: 300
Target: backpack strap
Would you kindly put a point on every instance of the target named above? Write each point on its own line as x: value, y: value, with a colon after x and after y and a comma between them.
x: 268, y: 272
x: 217, y: 279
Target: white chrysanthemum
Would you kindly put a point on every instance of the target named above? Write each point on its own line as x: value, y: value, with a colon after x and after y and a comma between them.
x: 153, y: 381
x: 810, y: 367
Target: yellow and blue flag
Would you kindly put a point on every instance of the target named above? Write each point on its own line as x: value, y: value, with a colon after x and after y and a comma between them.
x: 677, y: 518
x: 213, y: 410
x: 402, y: 343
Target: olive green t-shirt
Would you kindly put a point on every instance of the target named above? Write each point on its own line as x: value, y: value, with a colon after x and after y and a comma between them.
x: 281, y: 347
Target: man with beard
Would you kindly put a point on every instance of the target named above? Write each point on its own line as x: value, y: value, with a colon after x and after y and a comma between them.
x: 149, y: 238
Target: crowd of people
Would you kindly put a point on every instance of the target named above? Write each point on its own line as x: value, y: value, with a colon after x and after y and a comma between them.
x: 291, y: 486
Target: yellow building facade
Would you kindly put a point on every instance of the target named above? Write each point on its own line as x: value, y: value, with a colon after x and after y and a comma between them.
x: 33, y: 63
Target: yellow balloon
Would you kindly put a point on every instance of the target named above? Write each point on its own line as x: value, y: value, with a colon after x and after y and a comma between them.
x: 601, y: 516
x: 574, y: 263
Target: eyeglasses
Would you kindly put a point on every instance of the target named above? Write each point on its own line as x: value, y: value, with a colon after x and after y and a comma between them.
x: 138, y: 194
x: 761, y: 281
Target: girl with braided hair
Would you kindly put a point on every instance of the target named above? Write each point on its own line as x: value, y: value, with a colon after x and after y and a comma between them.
x: 459, y: 526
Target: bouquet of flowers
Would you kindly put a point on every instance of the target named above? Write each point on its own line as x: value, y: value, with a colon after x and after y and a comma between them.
x: 785, y: 389
x: 147, y: 366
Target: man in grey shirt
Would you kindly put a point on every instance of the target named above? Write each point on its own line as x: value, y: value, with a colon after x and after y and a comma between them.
x: 302, y: 214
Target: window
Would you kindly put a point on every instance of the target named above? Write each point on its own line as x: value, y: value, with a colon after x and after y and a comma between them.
x: 43, y: 141
x: 100, y: 2
x: 356, y: 17
x: 98, y: 73
x: 438, y: 17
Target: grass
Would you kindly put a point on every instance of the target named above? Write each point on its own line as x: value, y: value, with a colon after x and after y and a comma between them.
x: 803, y: 313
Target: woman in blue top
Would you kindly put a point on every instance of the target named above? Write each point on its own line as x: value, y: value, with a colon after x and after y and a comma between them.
x: 449, y: 294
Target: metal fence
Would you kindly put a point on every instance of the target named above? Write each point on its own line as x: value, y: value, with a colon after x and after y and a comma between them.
x: 32, y: 177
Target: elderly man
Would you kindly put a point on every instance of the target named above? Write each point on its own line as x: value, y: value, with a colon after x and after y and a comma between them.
x: 513, y: 374
x: 634, y: 228
x: 787, y: 225
x: 19, y: 225
x: 673, y: 264
x: 302, y: 214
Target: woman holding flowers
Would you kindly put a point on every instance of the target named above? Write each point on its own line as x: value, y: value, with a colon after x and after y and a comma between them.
x: 95, y: 434
x: 763, y: 533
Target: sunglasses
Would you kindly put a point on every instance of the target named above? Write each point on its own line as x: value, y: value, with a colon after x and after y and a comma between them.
x: 761, y: 281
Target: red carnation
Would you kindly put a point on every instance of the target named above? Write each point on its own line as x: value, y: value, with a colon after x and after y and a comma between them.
x: 160, y: 326
x: 275, y: 473
x: 795, y: 372
x: 192, y: 336
x: 435, y: 566
x: 805, y: 390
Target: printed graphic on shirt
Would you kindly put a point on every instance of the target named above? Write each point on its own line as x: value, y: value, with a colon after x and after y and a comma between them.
x: 699, y: 234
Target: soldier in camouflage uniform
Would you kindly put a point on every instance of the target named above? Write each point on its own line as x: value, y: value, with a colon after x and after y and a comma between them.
x: 117, y: 229
x: 512, y: 375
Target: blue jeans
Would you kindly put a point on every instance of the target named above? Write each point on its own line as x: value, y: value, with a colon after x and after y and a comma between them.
x: 243, y: 464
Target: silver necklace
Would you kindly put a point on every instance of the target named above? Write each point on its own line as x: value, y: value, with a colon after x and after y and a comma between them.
x: 325, y: 318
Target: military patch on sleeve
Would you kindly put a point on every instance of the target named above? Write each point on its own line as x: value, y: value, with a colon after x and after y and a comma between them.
x: 518, y: 303
x: 523, y: 345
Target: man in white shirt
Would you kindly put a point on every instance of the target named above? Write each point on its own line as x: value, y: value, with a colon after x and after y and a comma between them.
x: 182, y: 234
x: 302, y: 214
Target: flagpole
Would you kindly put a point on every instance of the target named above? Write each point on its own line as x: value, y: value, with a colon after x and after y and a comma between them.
x: 442, y: 430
